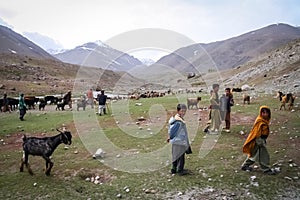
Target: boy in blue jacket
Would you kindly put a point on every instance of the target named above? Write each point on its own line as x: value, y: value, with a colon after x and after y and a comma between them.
x: 178, y: 137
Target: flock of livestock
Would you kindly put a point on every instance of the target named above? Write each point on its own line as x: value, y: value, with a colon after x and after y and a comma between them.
x: 45, y: 146
x: 61, y: 102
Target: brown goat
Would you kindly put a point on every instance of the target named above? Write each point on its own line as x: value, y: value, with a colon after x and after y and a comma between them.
x: 284, y: 99
x: 246, y: 98
x: 193, y: 102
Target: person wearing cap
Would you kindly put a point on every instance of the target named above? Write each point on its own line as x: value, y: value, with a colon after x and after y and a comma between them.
x: 22, y: 107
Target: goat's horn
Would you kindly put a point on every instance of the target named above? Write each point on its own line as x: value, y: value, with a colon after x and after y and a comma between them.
x: 59, y: 130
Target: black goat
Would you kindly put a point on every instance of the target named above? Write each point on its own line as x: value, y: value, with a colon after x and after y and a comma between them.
x: 42, y: 104
x: 43, y: 147
x: 60, y: 106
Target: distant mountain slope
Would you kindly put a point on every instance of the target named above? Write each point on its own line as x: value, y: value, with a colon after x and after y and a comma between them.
x: 99, y: 55
x: 12, y: 42
x: 45, y: 42
x: 270, y: 72
x: 19, y: 73
x: 231, y: 52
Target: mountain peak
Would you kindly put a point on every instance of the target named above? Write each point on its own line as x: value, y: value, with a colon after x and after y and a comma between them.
x: 101, y: 44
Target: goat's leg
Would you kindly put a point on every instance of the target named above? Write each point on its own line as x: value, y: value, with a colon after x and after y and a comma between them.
x: 49, y: 167
x: 22, y: 162
x: 48, y: 170
x: 22, y: 165
x: 25, y: 160
x: 282, y: 105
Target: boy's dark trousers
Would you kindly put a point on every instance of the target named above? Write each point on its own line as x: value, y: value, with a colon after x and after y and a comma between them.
x: 178, y: 165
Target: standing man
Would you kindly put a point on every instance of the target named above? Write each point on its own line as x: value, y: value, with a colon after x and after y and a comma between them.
x: 90, y: 98
x: 215, y: 109
x: 226, y: 101
x: 102, y: 102
x: 22, y: 107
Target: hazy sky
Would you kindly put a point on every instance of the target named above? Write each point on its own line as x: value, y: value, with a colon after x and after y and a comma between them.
x: 74, y: 22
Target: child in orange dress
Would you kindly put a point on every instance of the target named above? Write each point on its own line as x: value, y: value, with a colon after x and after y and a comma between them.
x: 255, y: 144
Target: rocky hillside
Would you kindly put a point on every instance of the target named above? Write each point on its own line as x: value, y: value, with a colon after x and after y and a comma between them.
x: 270, y: 72
x: 14, y: 43
x: 47, y: 76
x: 231, y: 52
x: 98, y: 54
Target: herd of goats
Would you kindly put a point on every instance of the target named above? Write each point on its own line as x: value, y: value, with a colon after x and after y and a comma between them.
x: 45, y: 146
x: 60, y: 102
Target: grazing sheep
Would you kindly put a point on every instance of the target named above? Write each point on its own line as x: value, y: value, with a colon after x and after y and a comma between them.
x: 43, y: 147
x: 193, y: 102
x: 246, y: 98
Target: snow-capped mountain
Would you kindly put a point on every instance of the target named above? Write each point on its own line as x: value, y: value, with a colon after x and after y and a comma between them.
x: 147, y: 61
x: 56, y: 51
x: 43, y: 41
x: 99, y: 54
x: 12, y: 42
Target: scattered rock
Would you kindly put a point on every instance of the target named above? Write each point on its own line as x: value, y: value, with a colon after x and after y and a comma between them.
x: 179, y: 193
x: 288, y: 178
x: 252, y: 178
x: 99, y: 154
x: 141, y: 118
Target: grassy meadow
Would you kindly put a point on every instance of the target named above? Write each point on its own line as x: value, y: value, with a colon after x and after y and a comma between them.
x: 136, y: 163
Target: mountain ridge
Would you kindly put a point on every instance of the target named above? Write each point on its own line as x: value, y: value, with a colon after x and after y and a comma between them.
x: 12, y: 42
x: 94, y: 54
x: 233, y: 51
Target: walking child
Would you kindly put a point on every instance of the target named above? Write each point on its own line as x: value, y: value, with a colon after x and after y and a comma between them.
x: 255, y: 144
